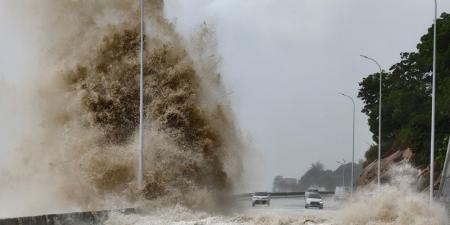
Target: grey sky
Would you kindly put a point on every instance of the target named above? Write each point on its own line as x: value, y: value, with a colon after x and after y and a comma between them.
x: 284, y: 63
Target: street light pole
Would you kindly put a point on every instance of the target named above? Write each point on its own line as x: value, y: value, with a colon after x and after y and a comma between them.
x: 379, y: 120
x: 433, y: 106
x: 343, y: 172
x: 353, y: 145
x: 140, y: 177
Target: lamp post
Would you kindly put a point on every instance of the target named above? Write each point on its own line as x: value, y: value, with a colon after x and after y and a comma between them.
x: 433, y: 106
x: 379, y: 120
x: 353, y: 145
x: 140, y: 176
x: 343, y: 172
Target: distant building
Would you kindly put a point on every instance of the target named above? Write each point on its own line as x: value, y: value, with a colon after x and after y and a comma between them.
x: 281, y: 184
x: 276, y: 186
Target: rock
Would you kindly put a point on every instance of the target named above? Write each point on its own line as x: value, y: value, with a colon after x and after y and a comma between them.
x: 369, y: 173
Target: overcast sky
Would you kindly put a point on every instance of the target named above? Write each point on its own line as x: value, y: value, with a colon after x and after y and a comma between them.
x: 284, y: 63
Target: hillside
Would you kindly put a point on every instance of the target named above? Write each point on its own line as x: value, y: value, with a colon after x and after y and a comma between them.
x: 406, y: 102
x: 319, y: 177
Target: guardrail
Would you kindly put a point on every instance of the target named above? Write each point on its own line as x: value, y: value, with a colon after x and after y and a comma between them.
x: 77, y: 218
x: 284, y: 194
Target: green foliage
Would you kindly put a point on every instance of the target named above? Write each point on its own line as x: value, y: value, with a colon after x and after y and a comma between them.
x: 371, y: 154
x: 406, y: 111
x: 441, y: 153
x: 317, y: 175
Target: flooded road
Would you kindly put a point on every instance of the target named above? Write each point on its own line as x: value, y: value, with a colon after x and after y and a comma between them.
x: 367, y: 208
x: 281, y: 211
x: 291, y: 206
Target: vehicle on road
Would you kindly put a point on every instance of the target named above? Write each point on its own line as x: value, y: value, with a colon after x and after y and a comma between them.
x: 340, y: 193
x: 313, y: 199
x: 261, y: 198
x: 312, y: 189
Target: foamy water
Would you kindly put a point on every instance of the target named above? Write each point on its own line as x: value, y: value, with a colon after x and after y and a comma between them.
x: 183, y: 216
x: 396, y: 203
x: 85, y: 100
x: 81, y: 156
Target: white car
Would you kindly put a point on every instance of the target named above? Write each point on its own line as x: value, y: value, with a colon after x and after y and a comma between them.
x: 313, y: 199
x: 261, y: 198
x: 339, y: 193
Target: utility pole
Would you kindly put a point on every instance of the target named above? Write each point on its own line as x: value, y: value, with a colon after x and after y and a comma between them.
x: 343, y: 172
x: 433, y: 106
x: 353, y: 145
x: 141, y: 103
x: 379, y: 120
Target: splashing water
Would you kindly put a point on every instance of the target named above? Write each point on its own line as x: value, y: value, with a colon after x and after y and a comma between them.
x: 397, y: 203
x: 184, y: 216
x: 82, y: 153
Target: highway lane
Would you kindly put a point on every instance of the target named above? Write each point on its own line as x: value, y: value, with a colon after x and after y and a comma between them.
x: 293, y: 208
x: 286, y: 211
x: 281, y: 211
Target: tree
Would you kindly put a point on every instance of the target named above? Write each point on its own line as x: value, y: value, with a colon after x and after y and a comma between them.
x: 317, y: 175
x: 406, y: 111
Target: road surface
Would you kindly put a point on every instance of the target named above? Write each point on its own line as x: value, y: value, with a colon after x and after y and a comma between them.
x: 293, y: 208
x: 284, y: 211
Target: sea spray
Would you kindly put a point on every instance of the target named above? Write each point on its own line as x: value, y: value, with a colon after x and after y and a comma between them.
x: 183, y: 216
x: 398, y: 202
x: 83, y: 153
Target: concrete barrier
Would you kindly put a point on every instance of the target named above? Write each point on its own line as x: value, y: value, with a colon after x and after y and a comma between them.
x: 296, y: 194
x: 76, y: 218
x: 283, y: 194
x: 99, y: 217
